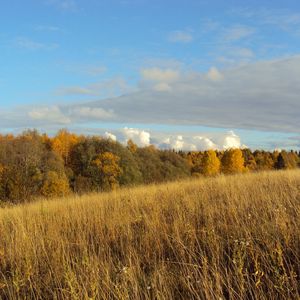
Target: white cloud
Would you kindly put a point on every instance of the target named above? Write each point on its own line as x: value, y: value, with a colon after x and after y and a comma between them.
x: 86, y: 113
x: 262, y: 95
x: 51, y: 114
x: 75, y: 90
x: 139, y: 137
x: 65, y: 5
x: 230, y: 140
x: 111, y: 136
x: 162, y: 87
x: 237, y: 32
x: 47, y: 28
x: 204, y: 143
x: 176, y: 143
x: 160, y: 75
x: 214, y: 74
x: 196, y: 142
x: 107, y: 88
x: 180, y: 36
x: 28, y: 44
x: 94, y: 69
x: 283, y: 19
x: 242, y: 52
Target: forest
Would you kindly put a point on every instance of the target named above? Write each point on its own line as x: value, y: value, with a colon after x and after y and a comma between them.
x: 36, y: 165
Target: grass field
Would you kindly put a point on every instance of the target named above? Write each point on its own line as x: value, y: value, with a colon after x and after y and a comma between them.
x: 235, y: 237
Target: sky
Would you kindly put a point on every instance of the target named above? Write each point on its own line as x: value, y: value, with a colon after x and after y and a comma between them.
x: 190, y: 75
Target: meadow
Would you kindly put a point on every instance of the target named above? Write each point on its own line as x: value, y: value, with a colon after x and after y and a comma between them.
x: 229, y: 237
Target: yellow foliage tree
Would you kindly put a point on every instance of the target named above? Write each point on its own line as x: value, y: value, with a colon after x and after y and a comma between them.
x: 210, y: 163
x: 233, y: 161
x: 63, y: 142
x: 55, y: 185
x: 131, y: 146
x: 107, y: 164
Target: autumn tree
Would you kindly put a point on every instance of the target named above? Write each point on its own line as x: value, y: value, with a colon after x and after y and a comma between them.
x: 131, y: 146
x: 194, y: 159
x: 55, y: 185
x: 250, y: 163
x: 233, y: 161
x: 87, y: 149
x: 264, y: 160
x: 63, y: 142
x: 107, y: 165
x: 210, y: 164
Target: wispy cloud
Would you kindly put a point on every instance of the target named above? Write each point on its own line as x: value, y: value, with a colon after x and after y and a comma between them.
x: 107, y: 88
x: 66, y: 5
x: 284, y: 19
x: 237, y: 32
x: 47, y: 28
x: 29, y: 44
x: 180, y: 36
x: 52, y: 114
x: 86, y: 69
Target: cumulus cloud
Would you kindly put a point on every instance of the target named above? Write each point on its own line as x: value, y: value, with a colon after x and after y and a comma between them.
x: 203, y: 143
x: 139, y: 137
x: 191, y: 142
x: 184, y: 141
x: 110, y: 136
x: 160, y: 79
x: 230, y: 140
x: 180, y: 36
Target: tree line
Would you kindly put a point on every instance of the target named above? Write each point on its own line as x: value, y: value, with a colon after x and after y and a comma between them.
x: 36, y: 165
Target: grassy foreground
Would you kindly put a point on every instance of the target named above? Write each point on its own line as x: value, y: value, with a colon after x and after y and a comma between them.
x: 235, y: 237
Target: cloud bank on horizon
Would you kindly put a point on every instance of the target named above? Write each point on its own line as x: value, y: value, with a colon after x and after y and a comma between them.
x: 235, y: 75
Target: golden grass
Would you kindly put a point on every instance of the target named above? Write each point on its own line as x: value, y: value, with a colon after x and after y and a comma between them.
x: 235, y: 237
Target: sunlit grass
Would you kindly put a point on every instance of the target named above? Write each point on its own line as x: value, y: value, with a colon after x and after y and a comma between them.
x: 235, y: 237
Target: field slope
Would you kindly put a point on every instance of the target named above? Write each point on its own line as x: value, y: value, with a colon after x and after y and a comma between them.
x: 235, y: 237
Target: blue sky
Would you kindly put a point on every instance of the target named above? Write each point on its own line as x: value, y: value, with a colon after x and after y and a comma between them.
x: 182, y: 74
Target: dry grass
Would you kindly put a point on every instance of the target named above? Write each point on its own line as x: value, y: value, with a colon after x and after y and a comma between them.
x: 234, y: 237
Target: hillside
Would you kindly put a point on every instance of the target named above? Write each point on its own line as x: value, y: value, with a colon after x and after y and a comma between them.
x: 232, y: 237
